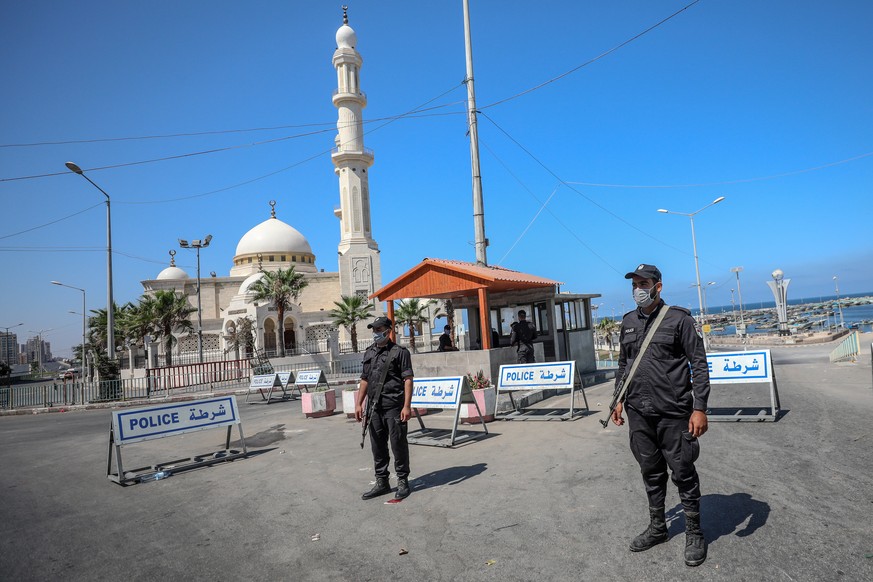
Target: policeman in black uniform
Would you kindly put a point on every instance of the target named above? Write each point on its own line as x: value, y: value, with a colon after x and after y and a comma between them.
x: 522, y: 336
x: 666, y: 408
x: 392, y: 408
x: 446, y: 341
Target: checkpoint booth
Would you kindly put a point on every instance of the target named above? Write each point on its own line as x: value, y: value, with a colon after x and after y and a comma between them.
x: 446, y: 393
x: 742, y: 387
x: 137, y: 425
x: 280, y: 383
x: 556, y: 376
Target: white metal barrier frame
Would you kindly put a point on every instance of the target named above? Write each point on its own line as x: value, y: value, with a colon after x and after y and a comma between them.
x: 549, y: 376
x: 155, y: 422
x: 443, y: 393
x: 751, y: 367
x: 284, y: 381
x: 310, y: 379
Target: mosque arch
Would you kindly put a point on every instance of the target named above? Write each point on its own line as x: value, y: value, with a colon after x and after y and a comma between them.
x: 290, y: 333
x: 270, y: 336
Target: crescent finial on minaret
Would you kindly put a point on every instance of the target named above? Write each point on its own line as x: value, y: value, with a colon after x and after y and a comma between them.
x: 272, y: 209
x: 172, y: 258
x: 345, y: 14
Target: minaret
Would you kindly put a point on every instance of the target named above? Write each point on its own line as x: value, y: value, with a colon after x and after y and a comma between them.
x: 359, y: 266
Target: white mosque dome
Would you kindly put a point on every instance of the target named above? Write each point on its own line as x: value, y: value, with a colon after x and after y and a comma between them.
x: 172, y: 273
x: 244, y: 288
x: 273, y: 236
x: 346, y: 37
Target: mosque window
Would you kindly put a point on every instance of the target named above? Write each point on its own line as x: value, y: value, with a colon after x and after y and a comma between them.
x: 282, y: 258
x: 272, y: 258
x: 294, y: 258
x: 250, y: 259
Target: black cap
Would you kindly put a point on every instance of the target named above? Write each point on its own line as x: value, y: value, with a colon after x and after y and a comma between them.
x: 380, y: 322
x: 447, y: 328
x: 646, y: 272
x: 522, y: 312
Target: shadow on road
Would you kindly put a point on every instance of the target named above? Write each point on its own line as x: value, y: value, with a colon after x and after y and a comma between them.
x: 721, y: 515
x: 449, y: 476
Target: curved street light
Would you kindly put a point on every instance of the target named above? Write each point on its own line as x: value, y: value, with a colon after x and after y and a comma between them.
x: 110, y: 306
x: 690, y: 215
x: 84, y: 317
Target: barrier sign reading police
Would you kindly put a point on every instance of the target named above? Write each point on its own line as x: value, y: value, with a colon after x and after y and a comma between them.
x: 156, y: 422
x: 262, y: 381
x: 529, y: 376
x: 286, y: 378
x: 437, y: 392
x: 310, y: 377
x: 737, y: 367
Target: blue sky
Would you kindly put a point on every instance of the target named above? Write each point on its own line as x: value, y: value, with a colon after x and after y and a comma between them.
x: 753, y: 101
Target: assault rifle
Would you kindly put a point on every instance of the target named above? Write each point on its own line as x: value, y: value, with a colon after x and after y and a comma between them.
x: 371, y: 402
x: 617, y: 397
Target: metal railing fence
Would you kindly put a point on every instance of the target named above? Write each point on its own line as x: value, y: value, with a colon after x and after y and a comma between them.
x: 158, y: 383
x: 848, y: 349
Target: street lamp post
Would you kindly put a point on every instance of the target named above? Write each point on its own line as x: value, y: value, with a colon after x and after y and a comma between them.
x: 733, y: 309
x: 6, y: 355
x: 82, y: 371
x: 741, y: 329
x: 694, y: 244
x: 198, y: 244
x: 110, y: 304
x: 839, y: 303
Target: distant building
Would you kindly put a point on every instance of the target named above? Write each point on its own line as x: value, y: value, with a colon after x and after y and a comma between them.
x: 9, y: 348
x: 32, y: 349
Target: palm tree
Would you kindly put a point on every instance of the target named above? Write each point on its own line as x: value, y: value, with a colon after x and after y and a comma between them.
x: 137, y: 321
x: 239, y: 335
x: 170, y: 313
x: 607, y: 327
x: 412, y: 313
x: 97, y: 328
x: 349, y: 311
x: 279, y: 287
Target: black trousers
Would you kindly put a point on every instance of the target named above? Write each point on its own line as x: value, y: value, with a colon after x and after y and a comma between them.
x: 658, y: 443
x: 525, y: 354
x: 385, y: 427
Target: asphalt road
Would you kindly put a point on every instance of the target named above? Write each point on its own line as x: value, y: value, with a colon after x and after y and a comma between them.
x: 790, y: 500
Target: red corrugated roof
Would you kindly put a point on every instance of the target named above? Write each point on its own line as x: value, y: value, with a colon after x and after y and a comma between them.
x: 446, y: 278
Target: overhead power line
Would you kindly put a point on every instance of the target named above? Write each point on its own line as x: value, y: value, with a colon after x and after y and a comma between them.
x: 593, y: 60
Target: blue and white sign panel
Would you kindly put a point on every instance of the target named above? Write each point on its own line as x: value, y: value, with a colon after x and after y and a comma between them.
x: 739, y: 367
x: 437, y: 392
x: 285, y: 378
x: 530, y: 376
x: 142, y: 424
x: 310, y: 378
x: 262, y: 381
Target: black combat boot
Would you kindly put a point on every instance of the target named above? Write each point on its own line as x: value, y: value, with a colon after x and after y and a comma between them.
x: 655, y: 534
x: 402, y: 488
x: 380, y: 488
x: 695, y: 543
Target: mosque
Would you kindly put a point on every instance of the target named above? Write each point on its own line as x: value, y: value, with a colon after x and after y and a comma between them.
x: 274, y: 244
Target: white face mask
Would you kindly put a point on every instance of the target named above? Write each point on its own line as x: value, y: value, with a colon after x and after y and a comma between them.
x: 380, y: 337
x: 645, y: 297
